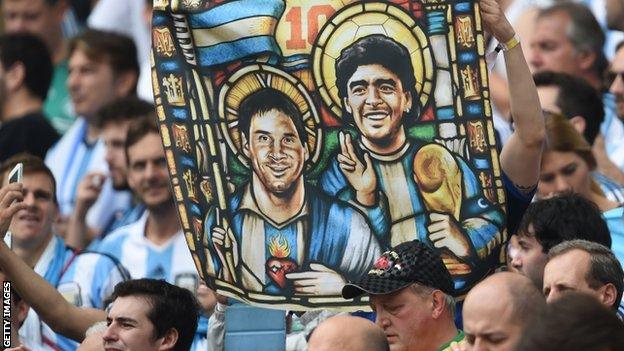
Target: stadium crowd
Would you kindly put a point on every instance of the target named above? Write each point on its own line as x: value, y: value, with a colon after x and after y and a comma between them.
x: 98, y: 259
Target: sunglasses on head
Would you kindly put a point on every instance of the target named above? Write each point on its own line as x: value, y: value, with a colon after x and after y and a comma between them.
x: 611, y: 76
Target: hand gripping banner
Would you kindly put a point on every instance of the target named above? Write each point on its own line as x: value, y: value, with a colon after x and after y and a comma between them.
x: 306, y: 137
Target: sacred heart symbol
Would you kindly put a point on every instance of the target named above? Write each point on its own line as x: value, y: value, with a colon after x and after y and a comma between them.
x: 277, y: 268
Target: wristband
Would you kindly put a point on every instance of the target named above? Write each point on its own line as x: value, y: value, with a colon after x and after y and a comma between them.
x: 509, y: 44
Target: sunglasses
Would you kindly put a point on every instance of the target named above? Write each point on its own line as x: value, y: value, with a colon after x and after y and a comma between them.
x: 610, y: 77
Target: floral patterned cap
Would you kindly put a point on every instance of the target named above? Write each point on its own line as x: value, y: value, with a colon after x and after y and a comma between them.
x: 407, y: 263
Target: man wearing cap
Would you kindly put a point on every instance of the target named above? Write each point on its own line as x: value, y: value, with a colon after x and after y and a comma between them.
x: 412, y: 293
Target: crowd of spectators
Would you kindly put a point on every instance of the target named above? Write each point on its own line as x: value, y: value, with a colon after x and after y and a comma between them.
x: 98, y: 259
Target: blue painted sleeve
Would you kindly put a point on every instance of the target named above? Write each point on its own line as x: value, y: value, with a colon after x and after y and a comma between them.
x: 332, y: 180
x: 209, y: 224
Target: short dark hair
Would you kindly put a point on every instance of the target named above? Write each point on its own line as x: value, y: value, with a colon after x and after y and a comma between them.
x: 376, y: 49
x: 584, y: 32
x: 171, y: 307
x: 575, y: 98
x: 265, y: 100
x: 604, y: 267
x: 31, y: 52
x: 124, y: 109
x: 564, y: 217
x: 32, y: 164
x: 138, y: 129
x: 116, y: 49
x: 574, y: 322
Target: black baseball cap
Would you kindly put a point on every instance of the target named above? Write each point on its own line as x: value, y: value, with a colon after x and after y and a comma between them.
x: 407, y: 263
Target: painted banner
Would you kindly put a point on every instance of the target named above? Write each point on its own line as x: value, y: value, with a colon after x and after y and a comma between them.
x: 306, y: 137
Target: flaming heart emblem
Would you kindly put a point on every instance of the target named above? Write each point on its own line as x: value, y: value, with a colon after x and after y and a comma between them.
x: 280, y: 263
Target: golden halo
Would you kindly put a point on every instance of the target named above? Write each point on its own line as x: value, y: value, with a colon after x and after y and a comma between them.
x: 360, y: 20
x: 250, y: 79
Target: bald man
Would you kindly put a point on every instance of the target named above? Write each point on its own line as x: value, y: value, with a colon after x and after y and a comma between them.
x: 348, y: 333
x: 497, y: 310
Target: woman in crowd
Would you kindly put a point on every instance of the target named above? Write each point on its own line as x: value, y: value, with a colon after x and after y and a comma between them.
x: 567, y: 163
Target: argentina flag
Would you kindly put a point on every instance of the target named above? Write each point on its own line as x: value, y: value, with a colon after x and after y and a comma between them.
x: 236, y: 30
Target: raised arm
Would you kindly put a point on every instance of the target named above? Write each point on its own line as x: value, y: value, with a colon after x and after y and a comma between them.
x: 63, y: 317
x: 79, y: 234
x: 521, y: 155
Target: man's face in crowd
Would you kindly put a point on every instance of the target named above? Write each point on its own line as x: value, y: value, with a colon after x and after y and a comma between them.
x: 527, y: 257
x: 561, y: 172
x: 404, y: 317
x: 568, y: 272
x: 147, y: 171
x: 129, y: 328
x: 32, y: 16
x: 275, y: 150
x: 512, y: 252
x: 114, y: 135
x: 91, y: 84
x: 550, y: 47
x: 491, y: 326
x: 33, y: 225
x: 617, y: 87
x: 377, y: 100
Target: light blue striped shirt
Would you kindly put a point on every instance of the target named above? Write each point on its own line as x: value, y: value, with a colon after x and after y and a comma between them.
x: 85, y: 279
x: 171, y: 261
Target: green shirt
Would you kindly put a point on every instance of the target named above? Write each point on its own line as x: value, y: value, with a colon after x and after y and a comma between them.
x: 458, y: 338
x: 57, y: 106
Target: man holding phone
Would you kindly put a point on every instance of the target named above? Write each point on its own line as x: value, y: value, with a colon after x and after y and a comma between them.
x: 84, y: 279
x: 15, y: 176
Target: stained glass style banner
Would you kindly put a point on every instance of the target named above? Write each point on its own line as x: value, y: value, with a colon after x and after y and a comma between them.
x: 306, y: 137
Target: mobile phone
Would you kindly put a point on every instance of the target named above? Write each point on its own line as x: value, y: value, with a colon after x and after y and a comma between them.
x: 17, y: 173
x: 15, y: 176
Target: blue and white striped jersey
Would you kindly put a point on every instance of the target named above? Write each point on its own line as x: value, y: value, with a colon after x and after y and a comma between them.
x: 481, y: 221
x: 85, y: 279
x: 613, y: 190
x: 129, y: 216
x: 171, y: 261
x: 70, y: 160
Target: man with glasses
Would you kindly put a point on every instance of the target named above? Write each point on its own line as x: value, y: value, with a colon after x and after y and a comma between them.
x: 613, y: 126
